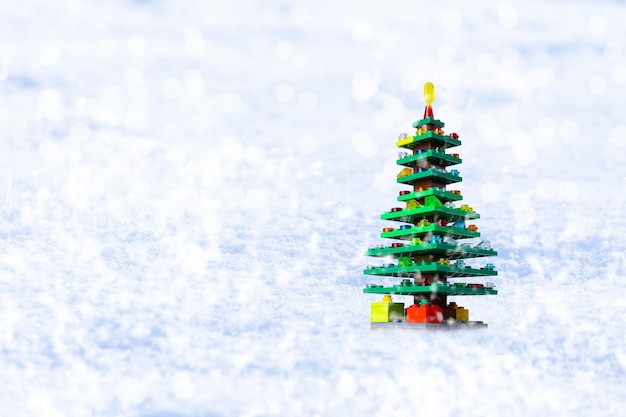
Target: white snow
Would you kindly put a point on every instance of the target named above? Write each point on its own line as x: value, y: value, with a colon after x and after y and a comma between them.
x: 188, y: 189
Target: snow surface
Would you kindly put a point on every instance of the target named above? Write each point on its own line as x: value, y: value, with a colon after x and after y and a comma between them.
x: 189, y: 187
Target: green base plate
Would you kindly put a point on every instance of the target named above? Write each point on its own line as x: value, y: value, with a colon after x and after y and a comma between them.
x: 435, y: 288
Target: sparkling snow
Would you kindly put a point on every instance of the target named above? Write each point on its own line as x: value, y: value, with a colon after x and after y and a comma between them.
x: 189, y: 187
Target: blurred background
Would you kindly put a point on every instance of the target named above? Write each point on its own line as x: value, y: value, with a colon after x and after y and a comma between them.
x: 188, y: 189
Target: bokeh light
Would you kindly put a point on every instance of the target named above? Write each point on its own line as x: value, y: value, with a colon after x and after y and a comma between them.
x: 229, y: 102
x: 49, y: 55
x: 194, y: 40
x: 362, y: 30
x: 308, y: 100
x: 613, y: 49
x: 618, y: 136
x: 597, y: 25
x: 507, y: 13
x: 195, y: 85
x: 364, y: 144
x: 50, y: 105
x: 173, y: 88
x: 364, y: 86
x: 284, y: 49
x: 568, y: 130
x: 451, y: 20
x: 284, y: 93
x: 446, y: 53
x: 618, y: 74
x: 597, y: 85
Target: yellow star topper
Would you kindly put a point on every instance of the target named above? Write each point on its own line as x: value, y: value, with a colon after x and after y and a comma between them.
x: 429, y: 97
x: 429, y: 93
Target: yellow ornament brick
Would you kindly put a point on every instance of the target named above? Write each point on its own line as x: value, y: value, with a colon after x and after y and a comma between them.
x: 384, y: 311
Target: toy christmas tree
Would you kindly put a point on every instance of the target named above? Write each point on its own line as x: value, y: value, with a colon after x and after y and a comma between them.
x: 430, y: 248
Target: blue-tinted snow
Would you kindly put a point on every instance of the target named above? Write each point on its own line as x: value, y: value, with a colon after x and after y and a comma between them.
x: 188, y: 190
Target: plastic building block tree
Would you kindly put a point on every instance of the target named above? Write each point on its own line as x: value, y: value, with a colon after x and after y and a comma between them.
x: 433, y: 241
